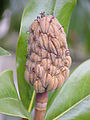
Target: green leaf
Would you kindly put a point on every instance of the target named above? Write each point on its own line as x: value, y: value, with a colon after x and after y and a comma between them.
x: 75, y: 89
x: 4, y: 52
x: 61, y: 9
x: 9, y: 102
x: 7, y: 87
x: 13, y: 107
x: 80, y: 112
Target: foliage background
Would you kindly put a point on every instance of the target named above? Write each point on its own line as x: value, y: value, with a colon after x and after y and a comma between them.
x: 78, y: 37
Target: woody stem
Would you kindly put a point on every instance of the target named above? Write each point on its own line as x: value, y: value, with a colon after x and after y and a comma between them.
x: 40, y: 105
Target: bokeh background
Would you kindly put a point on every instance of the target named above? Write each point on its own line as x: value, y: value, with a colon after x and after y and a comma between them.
x: 78, y: 36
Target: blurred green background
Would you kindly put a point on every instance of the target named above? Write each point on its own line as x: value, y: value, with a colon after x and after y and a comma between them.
x: 78, y: 36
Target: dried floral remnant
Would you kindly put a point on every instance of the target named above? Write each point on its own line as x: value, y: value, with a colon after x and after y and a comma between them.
x: 48, y: 58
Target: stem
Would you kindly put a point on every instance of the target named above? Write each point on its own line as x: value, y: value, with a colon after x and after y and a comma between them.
x: 40, y: 105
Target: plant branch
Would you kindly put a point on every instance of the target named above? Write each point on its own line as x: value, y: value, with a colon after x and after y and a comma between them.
x: 40, y: 105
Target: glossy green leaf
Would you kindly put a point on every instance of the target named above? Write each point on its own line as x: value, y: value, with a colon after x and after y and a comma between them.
x: 80, y: 112
x: 7, y: 87
x: 75, y: 89
x: 9, y: 102
x: 61, y: 9
x: 3, y: 52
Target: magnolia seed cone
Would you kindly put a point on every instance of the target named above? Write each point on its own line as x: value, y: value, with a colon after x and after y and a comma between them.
x: 48, y: 60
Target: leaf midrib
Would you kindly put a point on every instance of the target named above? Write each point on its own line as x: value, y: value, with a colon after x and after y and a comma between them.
x: 8, y: 98
x: 70, y: 108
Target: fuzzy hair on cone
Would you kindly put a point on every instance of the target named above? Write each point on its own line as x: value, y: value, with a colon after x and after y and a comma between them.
x: 48, y: 59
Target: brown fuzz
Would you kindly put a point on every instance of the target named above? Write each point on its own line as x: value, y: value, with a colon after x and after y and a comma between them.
x: 48, y: 58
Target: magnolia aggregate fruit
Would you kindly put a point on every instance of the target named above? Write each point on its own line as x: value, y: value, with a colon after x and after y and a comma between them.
x: 48, y: 59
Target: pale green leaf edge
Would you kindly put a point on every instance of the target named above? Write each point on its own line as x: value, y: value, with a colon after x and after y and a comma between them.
x: 6, y: 53
x: 9, y: 70
x: 5, y: 71
x: 21, y: 22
